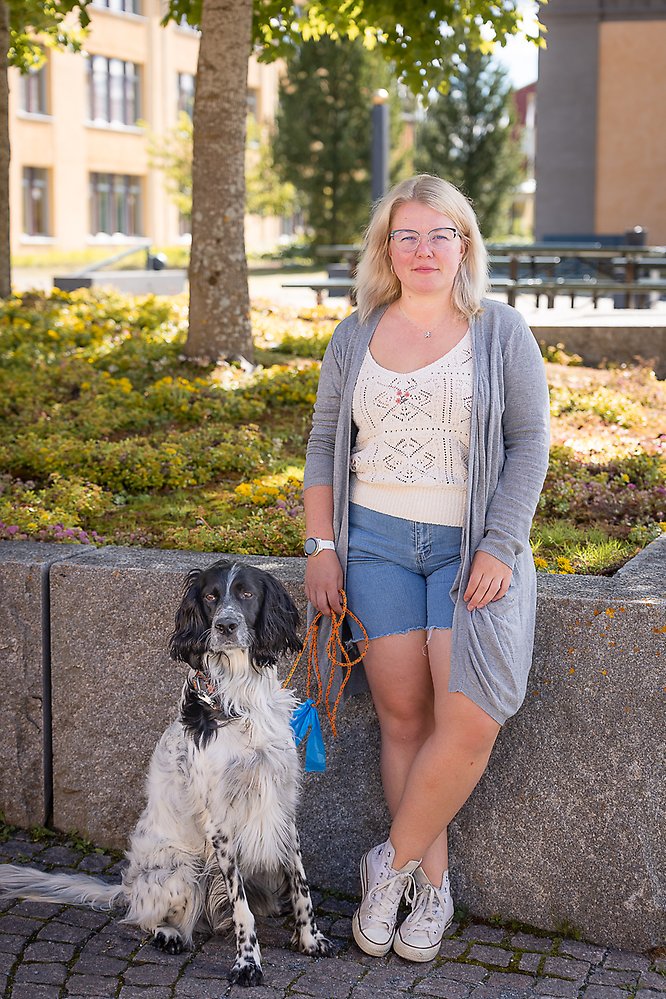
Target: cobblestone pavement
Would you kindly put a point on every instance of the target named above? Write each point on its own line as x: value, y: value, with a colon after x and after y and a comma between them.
x: 54, y: 951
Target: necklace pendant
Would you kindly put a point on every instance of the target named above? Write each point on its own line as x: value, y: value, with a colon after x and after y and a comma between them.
x: 427, y: 334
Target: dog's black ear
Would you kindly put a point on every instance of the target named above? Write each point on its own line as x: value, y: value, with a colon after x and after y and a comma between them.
x: 188, y: 642
x: 275, y: 630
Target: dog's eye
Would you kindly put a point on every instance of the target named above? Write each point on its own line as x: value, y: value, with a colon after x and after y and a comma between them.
x: 247, y: 595
x: 210, y: 597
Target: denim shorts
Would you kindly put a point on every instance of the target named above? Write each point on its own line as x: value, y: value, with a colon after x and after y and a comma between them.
x: 399, y: 573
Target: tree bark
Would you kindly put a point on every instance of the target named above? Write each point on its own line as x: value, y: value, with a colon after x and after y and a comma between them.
x: 219, y: 298
x: 5, y: 259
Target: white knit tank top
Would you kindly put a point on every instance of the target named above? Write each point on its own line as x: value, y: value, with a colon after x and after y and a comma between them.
x: 411, y: 451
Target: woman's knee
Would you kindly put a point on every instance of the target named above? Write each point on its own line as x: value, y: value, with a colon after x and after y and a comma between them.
x: 405, y: 722
x: 463, y: 721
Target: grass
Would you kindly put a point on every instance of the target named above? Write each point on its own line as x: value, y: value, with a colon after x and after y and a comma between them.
x: 108, y: 435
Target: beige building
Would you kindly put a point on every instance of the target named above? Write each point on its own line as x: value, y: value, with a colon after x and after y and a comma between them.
x: 601, y: 144
x: 80, y: 173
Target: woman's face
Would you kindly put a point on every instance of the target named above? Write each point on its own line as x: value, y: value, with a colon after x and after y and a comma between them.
x: 428, y: 264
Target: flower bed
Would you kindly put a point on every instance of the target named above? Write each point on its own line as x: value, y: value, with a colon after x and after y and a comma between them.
x: 109, y: 435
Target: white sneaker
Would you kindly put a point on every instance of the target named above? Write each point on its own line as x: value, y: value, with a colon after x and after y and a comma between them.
x: 374, y: 921
x: 420, y: 935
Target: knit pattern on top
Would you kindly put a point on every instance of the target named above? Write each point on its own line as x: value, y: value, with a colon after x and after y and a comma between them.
x: 411, y: 451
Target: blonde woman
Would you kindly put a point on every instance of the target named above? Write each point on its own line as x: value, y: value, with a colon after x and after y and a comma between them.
x: 428, y: 451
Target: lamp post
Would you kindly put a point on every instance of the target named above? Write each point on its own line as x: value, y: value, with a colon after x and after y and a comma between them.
x: 380, y: 144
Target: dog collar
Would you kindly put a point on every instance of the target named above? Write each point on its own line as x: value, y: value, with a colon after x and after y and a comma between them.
x: 203, y: 687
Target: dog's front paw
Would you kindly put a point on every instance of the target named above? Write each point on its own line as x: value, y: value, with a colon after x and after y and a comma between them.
x: 168, y: 940
x: 313, y: 943
x: 245, y: 972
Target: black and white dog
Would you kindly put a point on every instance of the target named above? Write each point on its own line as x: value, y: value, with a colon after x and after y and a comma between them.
x: 218, y: 836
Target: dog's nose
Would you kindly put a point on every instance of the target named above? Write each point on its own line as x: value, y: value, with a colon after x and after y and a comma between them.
x: 226, y: 625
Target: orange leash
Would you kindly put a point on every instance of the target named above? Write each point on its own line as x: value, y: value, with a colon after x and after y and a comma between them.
x: 333, y: 645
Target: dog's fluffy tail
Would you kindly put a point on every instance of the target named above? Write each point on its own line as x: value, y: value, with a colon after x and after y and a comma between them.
x: 70, y: 889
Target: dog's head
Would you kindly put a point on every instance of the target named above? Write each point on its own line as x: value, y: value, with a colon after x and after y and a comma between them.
x: 234, y: 606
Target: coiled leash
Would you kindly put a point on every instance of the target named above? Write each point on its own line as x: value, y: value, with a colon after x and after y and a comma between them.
x: 305, y: 722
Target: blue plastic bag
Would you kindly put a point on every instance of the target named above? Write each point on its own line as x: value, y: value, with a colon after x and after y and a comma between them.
x: 305, y: 724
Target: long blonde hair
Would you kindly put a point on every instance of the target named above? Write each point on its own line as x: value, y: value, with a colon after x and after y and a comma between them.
x: 376, y: 284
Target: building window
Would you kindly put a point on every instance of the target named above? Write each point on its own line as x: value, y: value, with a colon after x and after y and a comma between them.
x: 120, y: 6
x: 186, y: 83
x: 115, y: 204
x: 113, y: 91
x: 33, y: 91
x: 36, y: 201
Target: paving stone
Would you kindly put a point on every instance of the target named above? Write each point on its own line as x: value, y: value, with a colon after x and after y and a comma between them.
x: 620, y: 978
x: 558, y: 987
x: 527, y: 941
x: 92, y: 985
x: 96, y: 964
x: 652, y: 980
x: 6, y: 963
x: 11, y: 943
x: 332, y: 979
x: 501, y: 992
x: 151, y: 974
x: 364, y: 991
x: 396, y: 974
x: 470, y: 973
x: 483, y: 934
x: 530, y: 962
x: 63, y: 932
x: 604, y: 992
x: 443, y: 989
x: 510, y: 980
x: 649, y: 994
x: 626, y: 961
x: 19, y: 925
x: 84, y: 917
x: 453, y: 948
x: 35, y: 991
x: 17, y: 848
x: 45, y: 974
x: 582, y: 951
x: 201, y: 988
x: 62, y: 856
x: 49, y: 950
x: 490, y: 955
x: 36, y: 909
x: 132, y: 992
x: 564, y: 967
x: 95, y: 863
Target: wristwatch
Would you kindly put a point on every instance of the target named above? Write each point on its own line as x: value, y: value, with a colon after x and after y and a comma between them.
x: 313, y: 546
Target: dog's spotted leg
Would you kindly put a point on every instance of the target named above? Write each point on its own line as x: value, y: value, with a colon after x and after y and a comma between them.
x: 307, y: 937
x: 246, y: 969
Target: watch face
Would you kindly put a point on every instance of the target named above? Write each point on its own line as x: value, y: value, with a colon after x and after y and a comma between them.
x: 310, y: 546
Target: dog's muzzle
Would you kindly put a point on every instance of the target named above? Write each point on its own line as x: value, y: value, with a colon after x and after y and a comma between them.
x: 229, y: 630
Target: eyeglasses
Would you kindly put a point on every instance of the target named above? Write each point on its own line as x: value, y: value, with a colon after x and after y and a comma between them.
x: 409, y: 240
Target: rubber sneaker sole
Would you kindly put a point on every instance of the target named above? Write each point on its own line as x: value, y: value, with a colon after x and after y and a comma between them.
x: 411, y: 953
x: 368, y: 946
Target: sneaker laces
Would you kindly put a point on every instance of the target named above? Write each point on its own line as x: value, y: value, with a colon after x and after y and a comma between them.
x: 382, y: 901
x: 428, y: 915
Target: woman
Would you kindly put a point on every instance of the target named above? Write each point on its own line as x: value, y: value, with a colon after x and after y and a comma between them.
x: 428, y: 451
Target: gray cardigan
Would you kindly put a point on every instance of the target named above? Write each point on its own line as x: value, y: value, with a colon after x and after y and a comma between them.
x: 508, y: 459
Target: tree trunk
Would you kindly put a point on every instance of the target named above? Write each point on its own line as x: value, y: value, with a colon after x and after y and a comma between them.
x: 5, y: 264
x: 219, y: 298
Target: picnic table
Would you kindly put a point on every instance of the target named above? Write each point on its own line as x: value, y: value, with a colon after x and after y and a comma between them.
x: 632, y: 275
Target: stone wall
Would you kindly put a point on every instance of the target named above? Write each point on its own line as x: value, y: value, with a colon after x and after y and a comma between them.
x: 564, y: 830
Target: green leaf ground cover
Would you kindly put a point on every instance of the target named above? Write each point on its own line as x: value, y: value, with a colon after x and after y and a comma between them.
x: 110, y: 436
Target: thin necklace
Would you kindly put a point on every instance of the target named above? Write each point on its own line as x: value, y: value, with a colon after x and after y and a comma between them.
x: 426, y: 333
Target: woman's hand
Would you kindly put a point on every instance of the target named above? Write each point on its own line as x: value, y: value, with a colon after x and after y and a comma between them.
x: 323, y: 580
x: 489, y: 580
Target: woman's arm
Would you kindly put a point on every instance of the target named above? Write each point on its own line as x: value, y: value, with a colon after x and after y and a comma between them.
x: 323, y: 573
x: 526, y: 428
